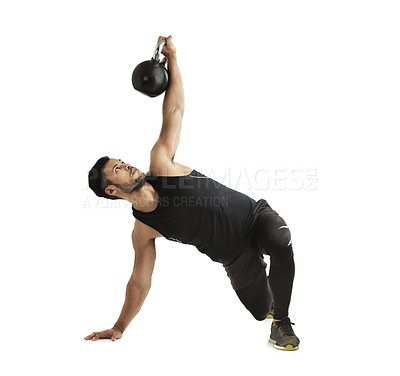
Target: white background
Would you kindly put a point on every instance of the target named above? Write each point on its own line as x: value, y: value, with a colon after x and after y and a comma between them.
x: 278, y: 86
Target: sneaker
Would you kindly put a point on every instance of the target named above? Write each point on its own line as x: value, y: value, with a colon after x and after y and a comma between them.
x: 282, y: 335
x: 271, y: 312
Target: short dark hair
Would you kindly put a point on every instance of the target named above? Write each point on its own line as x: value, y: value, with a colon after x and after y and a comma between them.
x: 98, y: 181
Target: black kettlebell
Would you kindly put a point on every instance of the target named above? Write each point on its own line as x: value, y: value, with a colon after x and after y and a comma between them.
x: 151, y: 76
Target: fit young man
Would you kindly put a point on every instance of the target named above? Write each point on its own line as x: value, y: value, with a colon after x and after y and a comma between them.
x: 183, y: 205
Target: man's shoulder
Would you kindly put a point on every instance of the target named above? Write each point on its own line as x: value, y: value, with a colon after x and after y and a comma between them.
x: 143, y: 231
x: 168, y: 169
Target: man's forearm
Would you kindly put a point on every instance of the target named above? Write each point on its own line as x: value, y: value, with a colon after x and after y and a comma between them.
x: 174, y: 97
x: 134, y: 299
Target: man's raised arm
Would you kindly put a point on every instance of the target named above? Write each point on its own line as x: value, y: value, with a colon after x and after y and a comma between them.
x: 172, y: 109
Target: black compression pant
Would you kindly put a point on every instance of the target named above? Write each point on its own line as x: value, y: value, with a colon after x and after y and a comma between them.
x: 271, y: 236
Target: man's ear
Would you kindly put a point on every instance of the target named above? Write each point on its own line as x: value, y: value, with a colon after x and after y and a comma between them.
x: 111, y: 190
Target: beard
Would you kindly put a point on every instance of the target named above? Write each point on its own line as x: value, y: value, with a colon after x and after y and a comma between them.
x: 133, y: 186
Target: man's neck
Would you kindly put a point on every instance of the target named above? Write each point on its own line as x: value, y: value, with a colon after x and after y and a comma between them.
x: 145, y: 199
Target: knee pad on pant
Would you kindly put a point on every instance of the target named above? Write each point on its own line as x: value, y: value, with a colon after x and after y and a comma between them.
x: 282, y: 247
x: 273, y: 236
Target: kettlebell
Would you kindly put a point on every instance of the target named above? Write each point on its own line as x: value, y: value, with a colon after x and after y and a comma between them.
x: 151, y: 76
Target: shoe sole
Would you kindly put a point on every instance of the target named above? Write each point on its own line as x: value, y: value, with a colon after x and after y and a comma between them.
x: 284, y: 348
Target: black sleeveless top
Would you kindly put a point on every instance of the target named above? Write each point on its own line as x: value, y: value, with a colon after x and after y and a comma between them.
x: 195, y: 209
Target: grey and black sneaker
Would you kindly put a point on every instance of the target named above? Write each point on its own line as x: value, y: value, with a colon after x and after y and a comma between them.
x: 282, y: 335
x: 271, y: 312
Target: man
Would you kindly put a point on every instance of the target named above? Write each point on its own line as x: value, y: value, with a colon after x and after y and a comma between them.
x: 183, y: 205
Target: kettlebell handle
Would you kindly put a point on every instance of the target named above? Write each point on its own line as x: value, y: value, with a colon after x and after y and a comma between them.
x: 160, y: 45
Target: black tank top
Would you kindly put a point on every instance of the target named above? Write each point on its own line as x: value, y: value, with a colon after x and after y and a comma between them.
x: 195, y: 209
